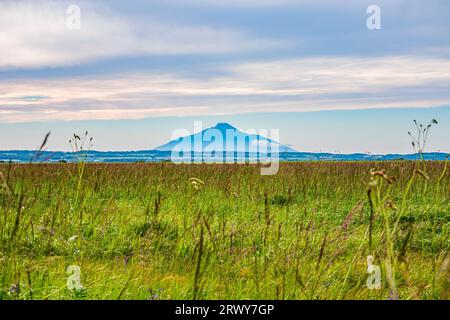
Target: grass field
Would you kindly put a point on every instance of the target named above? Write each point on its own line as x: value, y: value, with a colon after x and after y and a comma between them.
x: 150, y: 231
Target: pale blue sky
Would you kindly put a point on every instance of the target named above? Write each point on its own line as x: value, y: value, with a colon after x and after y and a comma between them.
x: 138, y: 70
x: 344, y: 131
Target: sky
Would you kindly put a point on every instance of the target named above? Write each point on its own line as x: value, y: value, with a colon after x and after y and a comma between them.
x: 133, y: 72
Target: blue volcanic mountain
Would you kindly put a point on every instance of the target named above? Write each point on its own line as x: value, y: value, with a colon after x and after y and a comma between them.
x: 227, y: 138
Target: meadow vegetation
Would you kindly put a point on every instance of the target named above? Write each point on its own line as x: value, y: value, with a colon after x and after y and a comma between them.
x: 166, y: 231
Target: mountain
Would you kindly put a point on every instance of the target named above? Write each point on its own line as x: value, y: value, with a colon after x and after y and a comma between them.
x: 224, y: 137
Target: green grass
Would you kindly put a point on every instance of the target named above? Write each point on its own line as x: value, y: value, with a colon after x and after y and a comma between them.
x: 146, y: 231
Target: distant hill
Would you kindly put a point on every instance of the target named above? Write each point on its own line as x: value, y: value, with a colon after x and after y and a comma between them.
x: 25, y: 156
x: 230, y: 137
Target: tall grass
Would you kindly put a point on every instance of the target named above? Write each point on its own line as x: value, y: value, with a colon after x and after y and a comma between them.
x: 148, y: 231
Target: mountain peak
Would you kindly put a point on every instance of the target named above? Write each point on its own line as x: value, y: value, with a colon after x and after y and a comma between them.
x: 224, y: 126
x: 239, y: 141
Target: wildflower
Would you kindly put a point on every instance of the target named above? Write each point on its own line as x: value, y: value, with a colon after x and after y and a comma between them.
x: 14, y: 289
x: 46, y: 230
x: 72, y: 238
x: 382, y: 174
x: 154, y: 295
x: 393, y: 296
x: 423, y: 174
x: 196, y: 183
x: 391, y: 205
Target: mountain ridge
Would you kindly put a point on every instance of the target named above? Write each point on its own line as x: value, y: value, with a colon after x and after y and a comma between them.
x: 252, y: 142
x: 25, y: 156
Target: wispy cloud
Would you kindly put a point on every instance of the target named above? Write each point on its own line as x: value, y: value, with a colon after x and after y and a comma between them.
x: 265, y: 3
x: 310, y: 84
x: 35, y: 35
x: 399, y: 6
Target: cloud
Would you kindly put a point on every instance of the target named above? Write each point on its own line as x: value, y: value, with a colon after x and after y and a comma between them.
x: 309, y: 84
x: 35, y: 35
x: 240, y: 3
x: 264, y: 3
x: 421, y: 6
